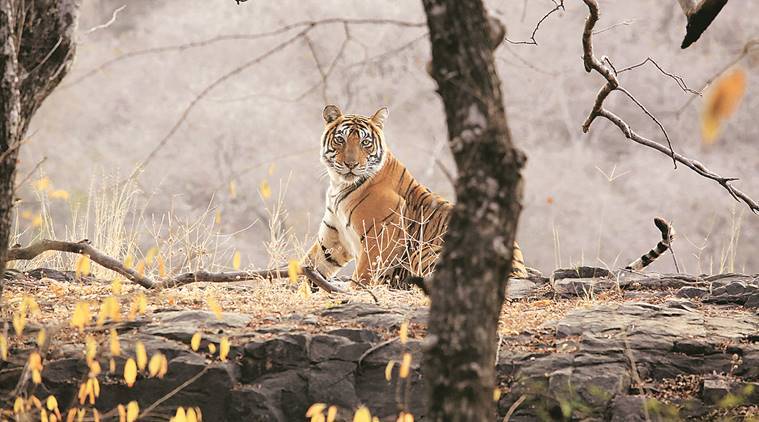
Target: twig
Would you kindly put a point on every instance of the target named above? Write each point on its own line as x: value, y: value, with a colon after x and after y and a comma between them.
x: 106, y: 24
x: 513, y: 407
x: 678, y: 79
x: 612, y: 83
x: 31, y: 172
x: 237, y: 37
x: 608, y: 28
x: 209, y: 88
x: 558, y: 6
x: 173, y: 392
x: 374, y: 349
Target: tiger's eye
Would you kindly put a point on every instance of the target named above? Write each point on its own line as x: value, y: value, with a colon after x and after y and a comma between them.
x: 366, y: 142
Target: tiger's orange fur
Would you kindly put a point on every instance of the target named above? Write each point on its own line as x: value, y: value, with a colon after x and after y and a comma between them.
x: 376, y: 212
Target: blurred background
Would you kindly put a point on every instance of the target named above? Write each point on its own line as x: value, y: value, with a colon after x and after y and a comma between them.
x: 248, y: 146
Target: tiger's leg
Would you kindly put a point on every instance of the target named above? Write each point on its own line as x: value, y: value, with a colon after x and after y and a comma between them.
x: 327, y: 255
x: 518, y: 269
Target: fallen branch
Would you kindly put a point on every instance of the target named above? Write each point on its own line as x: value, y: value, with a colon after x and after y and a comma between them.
x: 318, y: 279
x: 85, y: 248
x: 591, y: 63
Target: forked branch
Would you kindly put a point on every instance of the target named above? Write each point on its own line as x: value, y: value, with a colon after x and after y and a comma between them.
x: 85, y: 248
x: 592, y: 63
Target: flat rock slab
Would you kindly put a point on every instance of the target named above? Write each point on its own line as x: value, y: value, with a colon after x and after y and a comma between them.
x: 687, y: 356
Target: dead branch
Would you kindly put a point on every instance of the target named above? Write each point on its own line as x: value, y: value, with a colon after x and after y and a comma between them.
x: 591, y: 63
x: 559, y: 5
x: 316, y: 278
x: 209, y: 88
x: 85, y: 248
x: 678, y: 79
x: 108, y: 23
x: 238, y: 37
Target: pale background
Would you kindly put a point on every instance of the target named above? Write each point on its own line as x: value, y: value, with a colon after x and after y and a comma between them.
x: 108, y: 122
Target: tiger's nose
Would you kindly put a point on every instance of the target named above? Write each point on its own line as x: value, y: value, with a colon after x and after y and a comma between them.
x: 351, y: 164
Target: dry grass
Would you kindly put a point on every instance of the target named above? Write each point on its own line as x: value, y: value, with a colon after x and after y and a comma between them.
x: 111, y: 216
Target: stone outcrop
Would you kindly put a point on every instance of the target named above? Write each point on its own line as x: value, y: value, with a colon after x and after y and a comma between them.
x: 691, y: 354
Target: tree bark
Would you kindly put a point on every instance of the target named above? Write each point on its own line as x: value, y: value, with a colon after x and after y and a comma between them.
x: 37, y: 50
x: 468, y: 286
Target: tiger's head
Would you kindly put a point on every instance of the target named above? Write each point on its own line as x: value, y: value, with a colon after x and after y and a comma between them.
x: 353, y: 146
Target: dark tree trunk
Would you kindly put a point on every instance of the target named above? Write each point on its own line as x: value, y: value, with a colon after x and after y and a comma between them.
x: 468, y: 285
x: 37, y: 50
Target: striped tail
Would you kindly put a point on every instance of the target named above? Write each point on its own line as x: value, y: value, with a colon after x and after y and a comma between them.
x: 518, y: 269
x: 667, y: 235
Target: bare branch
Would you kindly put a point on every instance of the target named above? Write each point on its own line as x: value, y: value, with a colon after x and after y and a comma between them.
x: 106, y: 24
x: 85, y: 248
x: 678, y: 79
x: 610, y: 27
x: 591, y: 63
x: 558, y: 6
x: 238, y: 37
x: 209, y: 88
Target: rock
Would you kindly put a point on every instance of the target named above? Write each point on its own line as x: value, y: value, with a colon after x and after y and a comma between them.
x: 579, y: 366
x: 691, y: 292
x: 629, y: 409
x: 520, y: 288
x: 583, y: 287
x: 581, y: 272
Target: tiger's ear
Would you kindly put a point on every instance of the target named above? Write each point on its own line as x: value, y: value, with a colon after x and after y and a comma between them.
x: 331, y: 113
x: 379, y: 117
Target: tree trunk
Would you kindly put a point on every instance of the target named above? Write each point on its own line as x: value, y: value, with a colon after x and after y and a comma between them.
x: 468, y: 286
x: 37, y: 50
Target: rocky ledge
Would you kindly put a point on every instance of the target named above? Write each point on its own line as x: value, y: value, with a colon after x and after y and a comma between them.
x: 673, y: 346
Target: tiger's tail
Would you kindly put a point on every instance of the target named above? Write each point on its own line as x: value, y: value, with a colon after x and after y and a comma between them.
x: 667, y: 235
x: 518, y: 269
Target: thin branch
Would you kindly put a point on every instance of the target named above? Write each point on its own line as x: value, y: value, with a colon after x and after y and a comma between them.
x: 649, y: 114
x: 238, y: 37
x: 173, y: 392
x: 678, y: 79
x: 31, y: 172
x: 44, y: 59
x: 592, y: 63
x: 106, y: 24
x: 209, y: 88
x: 389, y: 53
x: 610, y: 27
x: 558, y: 6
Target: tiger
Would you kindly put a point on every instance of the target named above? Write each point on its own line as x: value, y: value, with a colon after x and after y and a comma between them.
x: 376, y: 211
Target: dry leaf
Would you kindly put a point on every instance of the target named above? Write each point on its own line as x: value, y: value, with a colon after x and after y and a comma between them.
x: 265, y: 189
x: 721, y: 102
x: 130, y: 372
